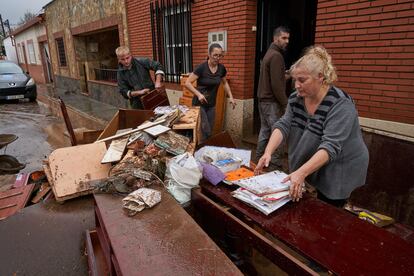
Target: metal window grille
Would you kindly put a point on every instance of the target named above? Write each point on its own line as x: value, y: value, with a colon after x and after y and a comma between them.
x: 103, y: 74
x: 171, y: 36
x: 61, y: 51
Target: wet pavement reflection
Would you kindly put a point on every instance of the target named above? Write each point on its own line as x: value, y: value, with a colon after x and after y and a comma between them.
x: 38, y: 130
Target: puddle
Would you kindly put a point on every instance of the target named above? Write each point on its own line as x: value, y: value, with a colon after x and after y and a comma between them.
x: 39, y: 132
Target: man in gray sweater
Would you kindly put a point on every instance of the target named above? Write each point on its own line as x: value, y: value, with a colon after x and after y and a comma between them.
x: 271, y: 92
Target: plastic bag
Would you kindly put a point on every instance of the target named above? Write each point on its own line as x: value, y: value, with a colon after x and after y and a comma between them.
x: 183, y: 173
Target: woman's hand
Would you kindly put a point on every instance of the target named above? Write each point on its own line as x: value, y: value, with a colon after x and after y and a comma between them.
x: 202, y: 99
x: 232, y: 102
x: 263, y: 162
x: 297, y: 180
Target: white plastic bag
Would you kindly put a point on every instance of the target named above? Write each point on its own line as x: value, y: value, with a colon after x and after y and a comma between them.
x: 183, y: 173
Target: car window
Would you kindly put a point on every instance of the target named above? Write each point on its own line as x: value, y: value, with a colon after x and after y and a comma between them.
x: 9, y: 68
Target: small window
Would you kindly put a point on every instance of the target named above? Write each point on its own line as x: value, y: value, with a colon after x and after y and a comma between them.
x: 218, y: 37
x: 30, y: 49
x: 61, y: 51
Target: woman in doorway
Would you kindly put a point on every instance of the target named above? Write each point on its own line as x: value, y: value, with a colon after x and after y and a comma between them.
x: 209, y: 75
x: 322, y: 131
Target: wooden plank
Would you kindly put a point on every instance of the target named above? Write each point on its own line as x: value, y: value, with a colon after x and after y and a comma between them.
x: 115, y: 151
x: 73, y: 168
x: 43, y: 190
x: 13, y: 200
x: 96, y: 259
x: 220, y: 110
x: 139, y: 128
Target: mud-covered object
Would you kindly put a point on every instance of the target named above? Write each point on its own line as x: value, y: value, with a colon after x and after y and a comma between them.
x: 128, y: 164
x: 10, y: 165
x: 140, y: 199
x: 173, y: 142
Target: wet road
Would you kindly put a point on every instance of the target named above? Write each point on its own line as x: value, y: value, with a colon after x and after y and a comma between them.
x: 45, y: 238
x: 39, y: 132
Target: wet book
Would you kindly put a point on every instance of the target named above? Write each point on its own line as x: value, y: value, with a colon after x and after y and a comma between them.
x: 264, y: 184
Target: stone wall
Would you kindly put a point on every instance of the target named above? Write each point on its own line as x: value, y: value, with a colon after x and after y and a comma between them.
x: 67, y: 84
x: 106, y: 93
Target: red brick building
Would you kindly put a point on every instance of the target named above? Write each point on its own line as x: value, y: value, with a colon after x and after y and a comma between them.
x: 371, y: 42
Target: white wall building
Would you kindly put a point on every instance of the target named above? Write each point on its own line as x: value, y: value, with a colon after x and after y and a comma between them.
x: 10, y: 49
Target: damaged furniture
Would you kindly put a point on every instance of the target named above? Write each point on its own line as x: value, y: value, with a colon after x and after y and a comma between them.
x: 314, y: 231
x: 163, y: 240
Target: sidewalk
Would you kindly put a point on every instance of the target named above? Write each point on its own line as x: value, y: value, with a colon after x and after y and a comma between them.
x: 83, y: 110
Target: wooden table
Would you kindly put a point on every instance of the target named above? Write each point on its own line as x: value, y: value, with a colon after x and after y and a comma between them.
x: 331, y: 237
x: 163, y: 240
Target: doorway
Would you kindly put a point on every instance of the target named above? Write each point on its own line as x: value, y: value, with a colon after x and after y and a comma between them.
x: 47, y: 65
x: 26, y: 65
x: 300, y: 17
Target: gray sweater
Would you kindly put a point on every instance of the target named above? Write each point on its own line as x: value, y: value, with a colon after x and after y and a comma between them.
x: 335, y: 128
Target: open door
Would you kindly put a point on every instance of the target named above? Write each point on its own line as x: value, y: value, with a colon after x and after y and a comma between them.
x: 300, y: 17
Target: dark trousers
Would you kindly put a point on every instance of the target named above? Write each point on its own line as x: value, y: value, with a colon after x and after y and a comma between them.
x: 269, y: 114
x: 208, y: 116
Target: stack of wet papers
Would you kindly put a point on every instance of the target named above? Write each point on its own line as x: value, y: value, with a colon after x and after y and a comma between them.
x: 264, y: 192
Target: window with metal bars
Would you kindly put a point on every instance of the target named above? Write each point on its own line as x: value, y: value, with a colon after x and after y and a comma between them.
x: 171, y: 36
x: 61, y: 51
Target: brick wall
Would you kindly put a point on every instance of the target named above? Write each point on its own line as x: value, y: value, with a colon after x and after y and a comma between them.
x: 235, y: 16
x: 372, y: 46
x: 139, y: 27
x: 37, y: 73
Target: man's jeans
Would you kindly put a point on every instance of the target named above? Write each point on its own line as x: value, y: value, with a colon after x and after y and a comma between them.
x: 269, y: 114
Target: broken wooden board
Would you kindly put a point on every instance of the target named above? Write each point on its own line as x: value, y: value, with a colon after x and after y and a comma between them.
x: 73, y: 169
x: 116, y: 148
x: 43, y: 190
x: 139, y: 128
x: 115, y: 151
x: 13, y: 200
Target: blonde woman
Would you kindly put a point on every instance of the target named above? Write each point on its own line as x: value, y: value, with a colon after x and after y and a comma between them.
x: 322, y: 131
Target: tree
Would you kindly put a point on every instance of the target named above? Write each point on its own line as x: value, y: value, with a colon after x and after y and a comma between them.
x: 26, y: 17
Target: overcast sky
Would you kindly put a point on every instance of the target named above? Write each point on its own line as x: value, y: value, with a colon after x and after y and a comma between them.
x: 13, y: 10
